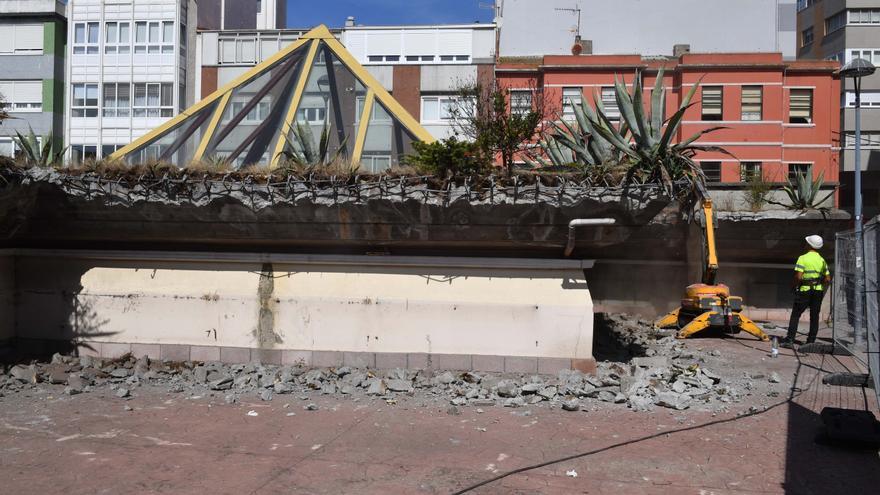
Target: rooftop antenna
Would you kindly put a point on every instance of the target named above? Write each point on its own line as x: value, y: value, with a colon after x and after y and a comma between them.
x: 574, y: 10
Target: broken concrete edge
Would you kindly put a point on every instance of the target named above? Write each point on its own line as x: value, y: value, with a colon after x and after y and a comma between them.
x: 262, y: 192
x: 747, y: 216
x: 318, y: 359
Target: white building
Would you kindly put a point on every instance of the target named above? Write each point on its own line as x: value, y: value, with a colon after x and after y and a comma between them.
x: 533, y: 28
x: 422, y: 66
x: 127, y: 70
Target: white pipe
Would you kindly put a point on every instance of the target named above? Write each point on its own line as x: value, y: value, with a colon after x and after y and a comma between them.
x: 583, y: 222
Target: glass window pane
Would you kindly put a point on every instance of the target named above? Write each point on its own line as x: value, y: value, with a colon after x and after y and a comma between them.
x: 140, y: 32
x: 79, y: 33
x: 154, y: 32
x: 123, y: 32
x: 167, y: 95
x: 168, y: 32
x: 111, y: 32
x: 430, y: 109
x: 93, y: 32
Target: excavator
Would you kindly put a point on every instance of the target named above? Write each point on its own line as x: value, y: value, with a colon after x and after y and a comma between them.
x: 709, y: 304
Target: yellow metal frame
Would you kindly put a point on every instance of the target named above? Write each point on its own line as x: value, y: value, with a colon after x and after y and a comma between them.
x: 375, y: 91
x: 363, y: 125
x: 294, y: 101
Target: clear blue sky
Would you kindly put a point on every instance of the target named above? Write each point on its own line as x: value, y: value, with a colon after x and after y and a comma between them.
x: 309, y: 13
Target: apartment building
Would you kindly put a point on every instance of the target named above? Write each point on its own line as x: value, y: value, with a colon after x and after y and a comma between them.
x: 843, y: 30
x: 529, y: 28
x: 32, y: 36
x: 422, y: 66
x: 779, y: 117
x: 242, y: 14
x: 129, y: 65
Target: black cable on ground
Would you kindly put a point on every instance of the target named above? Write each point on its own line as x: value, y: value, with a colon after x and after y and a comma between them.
x: 791, y: 397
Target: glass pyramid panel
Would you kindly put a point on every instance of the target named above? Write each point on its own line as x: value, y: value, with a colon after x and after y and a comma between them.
x: 329, y: 100
x: 178, y: 144
x: 248, y: 130
x: 387, y: 141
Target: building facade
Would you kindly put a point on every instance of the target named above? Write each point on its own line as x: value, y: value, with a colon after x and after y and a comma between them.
x: 533, y: 29
x: 423, y: 67
x: 242, y: 14
x: 129, y: 65
x: 32, y: 43
x: 843, y: 30
x: 779, y: 117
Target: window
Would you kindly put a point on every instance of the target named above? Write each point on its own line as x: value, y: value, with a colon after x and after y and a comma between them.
x: 871, y: 55
x: 86, y: 38
x: 378, y: 114
x: 314, y: 115
x: 869, y: 99
x: 384, y: 58
x: 83, y: 152
x: 117, y: 100
x: 803, y: 4
x: 870, y: 139
x: 117, y: 37
x: 712, y: 97
x: 85, y: 100
x: 21, y: 39
x: 801, y: 106
x: 752, y: 99
x: 609, y: 102
x: 807, y: 36
x: 153, y: 37
x: 838, y: 57
x: 799, y: 169
x: 153, y: 100
x: 22, y: 96
x: 520, y: 101
x: 455, y: 58
x: 375, y: 164
x: 420, y: 58
x: 440, y: 108
x: 258, y: 113
x: 864, y: 16
x: 749, y: 171
x: 712, y: 171
x: 109, y: 149
x: 570, y: 97
x: 835, y: 22
x: 7, y: 147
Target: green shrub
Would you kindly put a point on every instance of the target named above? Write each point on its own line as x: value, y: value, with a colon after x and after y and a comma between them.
x: 448, y: 157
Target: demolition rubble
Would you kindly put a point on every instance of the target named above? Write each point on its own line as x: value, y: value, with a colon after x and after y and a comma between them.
x: 644, y: 369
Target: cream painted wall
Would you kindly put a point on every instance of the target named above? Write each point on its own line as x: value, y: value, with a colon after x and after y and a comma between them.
x: 493, y: 311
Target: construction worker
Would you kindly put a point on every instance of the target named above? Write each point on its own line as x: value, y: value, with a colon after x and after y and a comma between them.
x: 811, y: 278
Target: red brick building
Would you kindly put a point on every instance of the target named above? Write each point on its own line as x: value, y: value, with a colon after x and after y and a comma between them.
x: 781, y: 117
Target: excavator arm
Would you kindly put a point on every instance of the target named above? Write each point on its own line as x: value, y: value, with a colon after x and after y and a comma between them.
x: 710, y: 267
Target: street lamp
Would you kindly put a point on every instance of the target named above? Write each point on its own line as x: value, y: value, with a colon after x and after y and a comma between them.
x: 856, y: 70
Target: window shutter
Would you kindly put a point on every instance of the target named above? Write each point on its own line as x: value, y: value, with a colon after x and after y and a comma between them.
x: 801, y: 104
x: 751, y: 102
x: 609, y: 101
x: 29, y: 37
x: 7, y: 39
x: 712, y: 100
x: 28, y: 92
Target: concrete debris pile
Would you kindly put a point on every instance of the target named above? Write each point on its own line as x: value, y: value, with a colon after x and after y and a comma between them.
x: 673, y: 379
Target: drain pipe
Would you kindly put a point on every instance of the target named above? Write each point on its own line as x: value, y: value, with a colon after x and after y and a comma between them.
x: 583, y: 222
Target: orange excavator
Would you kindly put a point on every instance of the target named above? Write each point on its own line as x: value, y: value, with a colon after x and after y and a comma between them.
x: 709, y: 304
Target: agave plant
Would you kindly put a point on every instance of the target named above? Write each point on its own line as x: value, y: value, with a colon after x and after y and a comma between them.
x: 646, y: 141
x: 36, y: 155
x: 803, y: 193
x: 304, y: 152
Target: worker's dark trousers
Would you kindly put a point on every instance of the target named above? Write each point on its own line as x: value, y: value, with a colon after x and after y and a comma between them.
x: 802, y: 300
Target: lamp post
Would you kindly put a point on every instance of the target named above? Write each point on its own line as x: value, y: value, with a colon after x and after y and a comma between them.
x: 856, y: 70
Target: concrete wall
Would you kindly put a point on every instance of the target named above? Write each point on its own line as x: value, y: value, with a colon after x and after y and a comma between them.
x: 7, y: 299
x: 519, y: 313
x: 648, y: 27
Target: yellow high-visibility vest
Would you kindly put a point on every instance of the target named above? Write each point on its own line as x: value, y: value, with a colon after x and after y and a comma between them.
x: 814, y: 269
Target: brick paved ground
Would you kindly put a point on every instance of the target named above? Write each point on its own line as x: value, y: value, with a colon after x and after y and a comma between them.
x: 171, y: 443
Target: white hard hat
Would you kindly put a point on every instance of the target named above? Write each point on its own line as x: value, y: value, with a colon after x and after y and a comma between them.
x: 815, y: 241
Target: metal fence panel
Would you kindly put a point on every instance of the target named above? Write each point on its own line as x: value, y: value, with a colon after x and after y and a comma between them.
x: 863, y: 343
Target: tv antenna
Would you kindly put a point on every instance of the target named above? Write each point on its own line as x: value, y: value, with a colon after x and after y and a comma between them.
x: 574, y: 10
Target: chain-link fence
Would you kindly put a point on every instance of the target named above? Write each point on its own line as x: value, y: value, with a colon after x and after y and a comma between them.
x: 859, y: 335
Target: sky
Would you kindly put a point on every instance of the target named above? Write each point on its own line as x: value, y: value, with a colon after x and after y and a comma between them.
x: 309, y: 13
